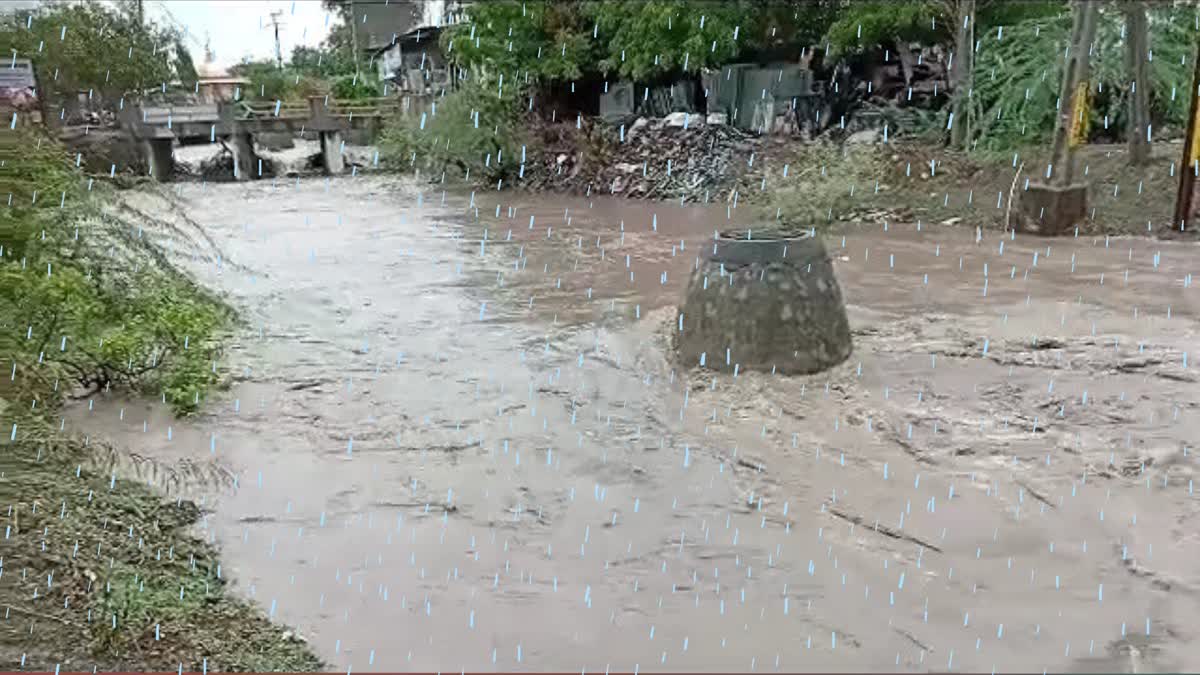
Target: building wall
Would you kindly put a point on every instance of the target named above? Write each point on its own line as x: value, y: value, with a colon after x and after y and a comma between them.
x: 409, y: 62
x: 380, y: 23
x: 216, y: 92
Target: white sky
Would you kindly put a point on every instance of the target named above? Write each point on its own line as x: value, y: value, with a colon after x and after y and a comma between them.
x: 241, y: 28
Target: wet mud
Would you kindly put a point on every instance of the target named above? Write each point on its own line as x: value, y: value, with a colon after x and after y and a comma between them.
x: 455, y: 439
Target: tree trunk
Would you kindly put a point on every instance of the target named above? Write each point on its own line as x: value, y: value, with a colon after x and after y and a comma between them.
x: 1190, y: 166
x: 1137, y: 50
x: 960, y: 75
x: 907, y: 61
x: 1075, y: 74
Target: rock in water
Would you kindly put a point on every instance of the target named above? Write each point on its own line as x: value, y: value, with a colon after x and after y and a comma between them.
x: 769, y: 304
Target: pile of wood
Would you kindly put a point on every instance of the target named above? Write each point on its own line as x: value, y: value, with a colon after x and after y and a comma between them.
x: 679, y: 158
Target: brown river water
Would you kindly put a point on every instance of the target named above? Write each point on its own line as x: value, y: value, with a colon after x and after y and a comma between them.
x: 456, y: 441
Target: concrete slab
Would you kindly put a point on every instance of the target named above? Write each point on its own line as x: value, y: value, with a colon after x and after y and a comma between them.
x: 1051, y: 211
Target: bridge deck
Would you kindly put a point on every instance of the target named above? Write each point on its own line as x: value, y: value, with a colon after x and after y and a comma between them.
x: 162, y: 122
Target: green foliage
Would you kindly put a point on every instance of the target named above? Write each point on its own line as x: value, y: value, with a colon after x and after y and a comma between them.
x: 796, y: 25
x: 862, y: 25
x: 476, y: 129
x: 322, y: 62
x: 1017, y: 80
x: 355, y: 87
x: 641, y: 41
x: 68, y: 314
x: 647, y: 40
x: 534, y: 39
x: 270, y: 83
x: 1172, y: 30
x: 995, y: 13
x: 267, y: 81
x: 89, y: 46
x: 184, y: 67
x: 1018, y: 76
x: 869, y: 24
x: 33, y: 191
x: 312, y: 71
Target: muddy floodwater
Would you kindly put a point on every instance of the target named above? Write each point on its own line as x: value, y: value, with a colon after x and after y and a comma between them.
x: 455, y: 440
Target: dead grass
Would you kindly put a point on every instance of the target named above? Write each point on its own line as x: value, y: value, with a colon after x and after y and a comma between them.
x: 973, y: 189
x: 103, y: 572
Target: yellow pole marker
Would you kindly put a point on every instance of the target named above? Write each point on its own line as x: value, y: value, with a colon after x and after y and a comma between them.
x: 1080, y: 114
x: 1195, y: 139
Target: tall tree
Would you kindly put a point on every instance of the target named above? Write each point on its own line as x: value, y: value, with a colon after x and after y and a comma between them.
x: 962, y: 70
x: 184, y: 67
x: 541, y: 40
x: 1073, y: 97
x: 642, y: 40
x: 955, y: 24
x: 86, y: 46
x: 1137, y: 50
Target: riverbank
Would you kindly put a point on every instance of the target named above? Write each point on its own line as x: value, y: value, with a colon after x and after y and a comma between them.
x: 101, y: 570
x: 867, y: 177
x: 864, y: 178
x: 846, y: 179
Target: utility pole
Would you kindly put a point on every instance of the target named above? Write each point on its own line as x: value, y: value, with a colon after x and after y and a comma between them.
x: 964, y: 66
x: 140, y: 13
x: 1053, y: 207
x: 278, y: 50
x: 1137, y: 49
x: 1191, y: 151
x: 1070, y: 131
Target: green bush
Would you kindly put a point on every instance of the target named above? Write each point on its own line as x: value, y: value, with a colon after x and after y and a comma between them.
x: 355, y: 87
x: 70, y: 316
x: 476, y: 130
x: 1018, y: 75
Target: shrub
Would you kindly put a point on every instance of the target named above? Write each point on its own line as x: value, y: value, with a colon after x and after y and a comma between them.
x: 476, y: 130
x: 70, y: 313
x: 355, y: 87
x: 819, y: 192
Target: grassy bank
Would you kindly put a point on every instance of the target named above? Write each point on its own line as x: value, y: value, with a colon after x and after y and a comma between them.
x: 896, y: 182
x: 97, y: 571
x: 491, y: 141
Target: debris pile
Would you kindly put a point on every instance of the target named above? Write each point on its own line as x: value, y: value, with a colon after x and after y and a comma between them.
x: 909, y: 79
x: 688, y: 157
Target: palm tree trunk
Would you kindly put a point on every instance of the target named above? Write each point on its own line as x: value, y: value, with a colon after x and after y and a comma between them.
x: 961, y: 80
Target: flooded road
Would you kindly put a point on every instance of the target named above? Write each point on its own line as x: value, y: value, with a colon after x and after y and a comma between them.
x: 456, y: 441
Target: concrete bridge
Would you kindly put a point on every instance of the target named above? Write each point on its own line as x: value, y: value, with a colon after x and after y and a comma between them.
x: 157, y: 129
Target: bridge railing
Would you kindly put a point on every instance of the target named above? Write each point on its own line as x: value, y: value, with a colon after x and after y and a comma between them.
x: 333, y: 107
x: 159, y: 116
x: 263, y: 109
x: 178, y: 114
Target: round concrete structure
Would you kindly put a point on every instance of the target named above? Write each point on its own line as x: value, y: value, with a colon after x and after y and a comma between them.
x: 770, y: 304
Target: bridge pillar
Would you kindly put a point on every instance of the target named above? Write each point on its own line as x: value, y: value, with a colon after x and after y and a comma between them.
x: 159, y: 159
x: 331, y: 153
x: 245, y: 164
